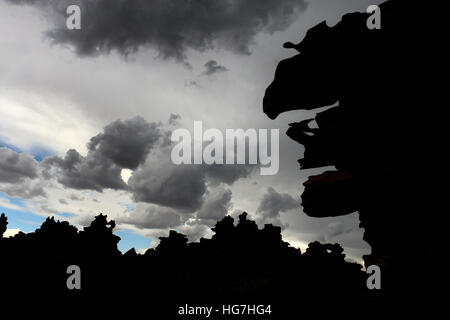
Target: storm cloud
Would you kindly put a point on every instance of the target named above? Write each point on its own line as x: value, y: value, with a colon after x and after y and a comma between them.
x: 273, y: 203
x: 166, y: 184
x: 223, y: 173
x: 145, y: 148
x: 19, y: 175
x: 92, y: 172
x: 16, y: 167
x: 170, y: 26
x: 182, y: 187
x: 121, y: 145
x: 155, y: 218
x: 216, y: 205
x: 126, y: 143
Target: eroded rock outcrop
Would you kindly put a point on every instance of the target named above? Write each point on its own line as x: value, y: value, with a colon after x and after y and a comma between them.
x: 384, y: 132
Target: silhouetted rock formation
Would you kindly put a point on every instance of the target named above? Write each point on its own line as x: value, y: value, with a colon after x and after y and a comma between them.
x: 3, y: 224
x: 386, y: 135
x: 239, y: 264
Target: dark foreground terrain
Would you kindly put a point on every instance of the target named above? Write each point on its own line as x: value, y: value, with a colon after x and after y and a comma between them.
x: 240, y: 264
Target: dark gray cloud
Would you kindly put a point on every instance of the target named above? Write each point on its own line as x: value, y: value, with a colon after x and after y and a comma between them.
x: 216, y: 205
x: 126, y: 143
x: 229, y: 174
x: 146, y: 148
x: 25, y: 190
x: 122, y: 144
x: 16, y: 167
x: 19, y: 175
x: 151, y: 217
x: 93, y: 172
x: 63, y: 201
x: 181, y: 187
x: 212, y: 67
x: 196, y: 224
x: 163, y: 183
x: 170, y: 26
x: 273, y: 203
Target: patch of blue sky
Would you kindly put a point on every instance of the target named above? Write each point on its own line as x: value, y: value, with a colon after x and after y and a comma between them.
x: 130, y: 239
x: 67, y: 214
x: 20, y: 219
x: 9, y: 146
x: 14, y: 201
x: 38, y: 152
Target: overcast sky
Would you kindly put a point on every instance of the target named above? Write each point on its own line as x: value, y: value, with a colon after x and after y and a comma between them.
x: 86, y: 116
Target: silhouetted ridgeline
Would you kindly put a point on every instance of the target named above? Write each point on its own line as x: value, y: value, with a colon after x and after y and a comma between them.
x: 239, y: 264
